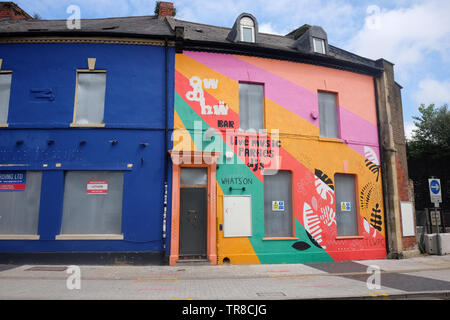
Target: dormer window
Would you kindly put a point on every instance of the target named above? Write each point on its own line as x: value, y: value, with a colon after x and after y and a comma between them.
x: 247, y: 29
x: 311, y: 39
x: 319, y: 45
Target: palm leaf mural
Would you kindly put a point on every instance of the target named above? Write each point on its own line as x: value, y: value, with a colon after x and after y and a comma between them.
x: 324, y: 185
x: 301, y: 245
x: 365, y: 195
x: 372, y: 162
x: 371, y: 155
x: 311, y: 223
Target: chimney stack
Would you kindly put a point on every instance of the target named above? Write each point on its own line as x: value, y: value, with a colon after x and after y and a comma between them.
x: 10, y: 10
x: 164, y: 9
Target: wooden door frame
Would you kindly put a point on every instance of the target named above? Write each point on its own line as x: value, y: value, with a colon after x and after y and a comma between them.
x: 194, y: 159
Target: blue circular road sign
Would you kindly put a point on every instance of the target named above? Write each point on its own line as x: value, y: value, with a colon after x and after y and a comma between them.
x: 435, y: 187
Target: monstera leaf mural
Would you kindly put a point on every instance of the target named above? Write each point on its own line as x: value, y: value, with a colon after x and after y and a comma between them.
x: 372, y: 162
x: 311, y: 223
x: 324, y: 185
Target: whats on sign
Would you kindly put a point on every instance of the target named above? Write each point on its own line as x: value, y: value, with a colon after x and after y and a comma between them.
x: 12, y: 180
x: 97, y: 187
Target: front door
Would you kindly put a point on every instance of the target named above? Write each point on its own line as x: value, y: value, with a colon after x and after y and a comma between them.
x: 193, y: 209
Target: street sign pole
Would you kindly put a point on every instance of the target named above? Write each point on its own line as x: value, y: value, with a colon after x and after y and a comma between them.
x: 436, y: 197
x: 438, y: 239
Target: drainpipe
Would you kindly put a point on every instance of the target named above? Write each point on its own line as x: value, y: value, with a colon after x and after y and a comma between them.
x: 380, y: 146
x: 166, y: 144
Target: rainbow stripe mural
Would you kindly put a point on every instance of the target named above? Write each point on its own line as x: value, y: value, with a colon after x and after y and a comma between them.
x: 207, y: 98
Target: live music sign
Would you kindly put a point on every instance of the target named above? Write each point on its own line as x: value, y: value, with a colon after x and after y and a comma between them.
x: 97, y: 187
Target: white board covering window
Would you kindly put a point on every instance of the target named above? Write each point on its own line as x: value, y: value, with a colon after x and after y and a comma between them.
x: 346, y: 213
x: 19, y: 209
x: 92, y: 202
x: 328, y: 120
x: 5, y: 90
x: 251, y: 106
x: 278, y: 205
x: 90, y: 98
x: 237, y: 216
x: 407, y: 219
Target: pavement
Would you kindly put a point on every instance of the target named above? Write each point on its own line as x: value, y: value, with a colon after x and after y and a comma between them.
x: 423, y: 277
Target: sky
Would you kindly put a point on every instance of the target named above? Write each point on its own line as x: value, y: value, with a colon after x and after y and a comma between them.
x: 412, y: 34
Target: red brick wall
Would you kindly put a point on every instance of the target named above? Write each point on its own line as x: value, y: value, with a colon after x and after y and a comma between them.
x: 12, y: 11
x: 165, y: 9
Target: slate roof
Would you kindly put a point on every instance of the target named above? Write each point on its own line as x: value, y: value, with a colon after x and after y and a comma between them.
x: 155, y: 27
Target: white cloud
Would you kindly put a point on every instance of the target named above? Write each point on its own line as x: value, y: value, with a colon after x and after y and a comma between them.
x: 268, y: 28
x: 433, y: 91
x: 405, y: 36
x: 409, y: 127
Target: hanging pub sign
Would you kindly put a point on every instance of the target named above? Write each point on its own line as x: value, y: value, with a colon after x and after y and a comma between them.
x: 97, y: 186
x: 12, y: 180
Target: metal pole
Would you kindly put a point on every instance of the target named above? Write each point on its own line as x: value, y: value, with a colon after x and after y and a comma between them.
x: 438, y: 239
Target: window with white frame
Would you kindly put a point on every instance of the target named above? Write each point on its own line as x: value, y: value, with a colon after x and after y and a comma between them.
x: 247, y: 29
x: 319, y: 45
x: 278, y: 205
x: 92, y: 203
x: 20, y: 194
x: 5, y: 91
x: 90, y: 98
x: 328, y: 117
x: 251, y: 106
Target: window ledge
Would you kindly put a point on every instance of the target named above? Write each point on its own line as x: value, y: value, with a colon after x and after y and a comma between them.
x: 87, y: 125
x: 89, y: 237
x: 325, y: 139
x: 349, y: 237
x: 280, y: 238
x: 3, y: 125
x: 19, y: 237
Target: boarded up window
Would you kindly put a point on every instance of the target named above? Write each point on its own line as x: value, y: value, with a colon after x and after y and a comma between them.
x: 278, y: 204
x: 19, y: 206
x: 90, y: 101
x: 346, y: 214
x: 328, y: 115
x: 251, y: 106
x: 5, y: 90
x: 92, y: 202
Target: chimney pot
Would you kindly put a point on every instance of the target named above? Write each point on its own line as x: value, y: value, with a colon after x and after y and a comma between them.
x: 165, y: 9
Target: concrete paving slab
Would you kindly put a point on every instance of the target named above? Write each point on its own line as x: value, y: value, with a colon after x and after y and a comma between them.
x: 230, y: 282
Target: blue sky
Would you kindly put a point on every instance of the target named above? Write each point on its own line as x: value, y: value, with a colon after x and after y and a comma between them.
x: 412, y: 34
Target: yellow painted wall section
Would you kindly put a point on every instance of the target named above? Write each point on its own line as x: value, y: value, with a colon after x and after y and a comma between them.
x: 238, y: 250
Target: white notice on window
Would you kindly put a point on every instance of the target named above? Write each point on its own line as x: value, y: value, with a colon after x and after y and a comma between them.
x: 97, y: 187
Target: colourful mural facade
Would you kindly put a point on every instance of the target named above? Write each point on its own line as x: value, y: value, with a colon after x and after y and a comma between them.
x: 207, y: 119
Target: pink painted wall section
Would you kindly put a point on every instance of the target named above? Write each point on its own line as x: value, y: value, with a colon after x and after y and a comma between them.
x: 355, y: 92
x: 294, y: 98
x: 354, y: 128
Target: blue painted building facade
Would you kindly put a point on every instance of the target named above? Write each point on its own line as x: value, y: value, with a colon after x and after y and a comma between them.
x: 40, y: 136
